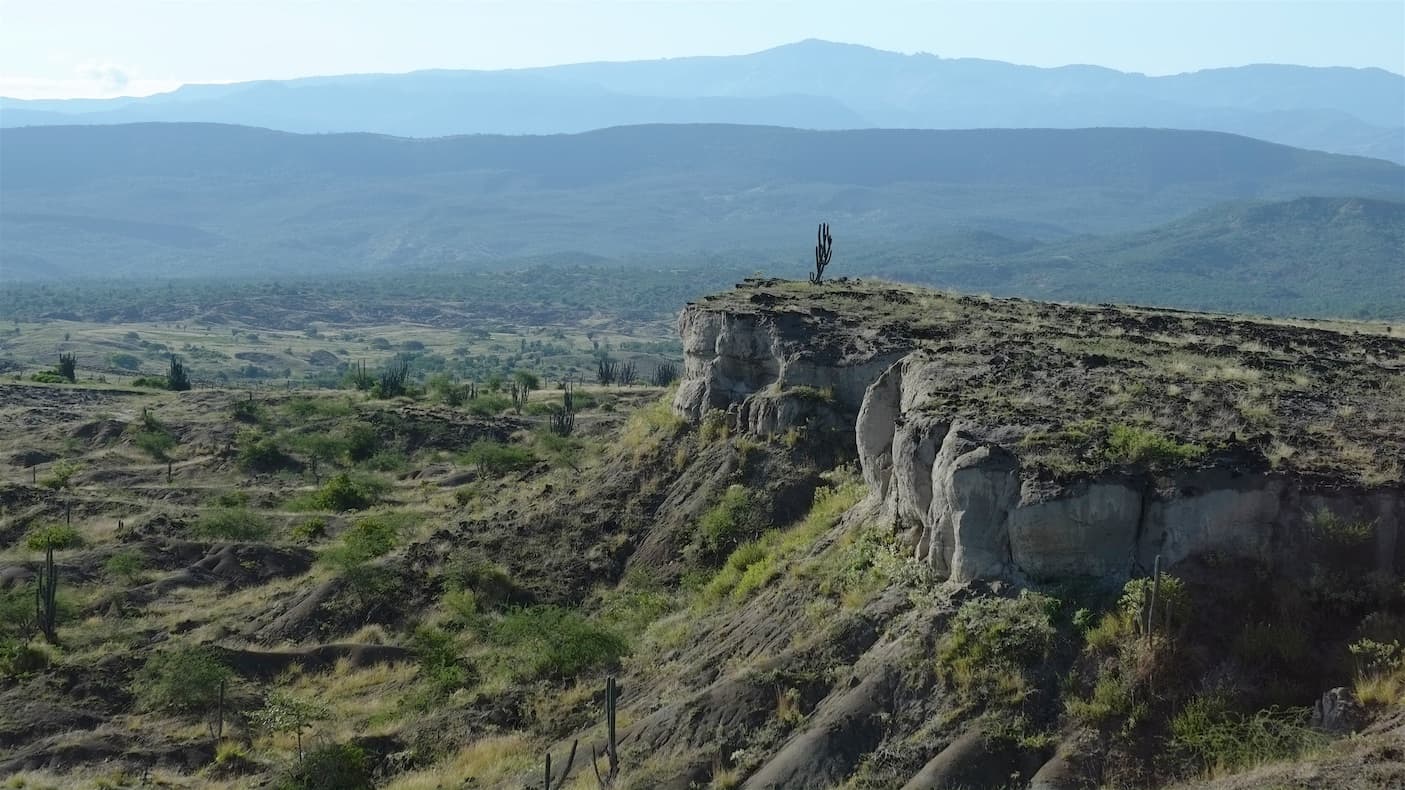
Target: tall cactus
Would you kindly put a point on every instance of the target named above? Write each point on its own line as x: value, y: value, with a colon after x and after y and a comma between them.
x: 824, y: 250
x: 558, y: 783
x: 564, y: 422
x: 612, y: 755
x: 46, y: 598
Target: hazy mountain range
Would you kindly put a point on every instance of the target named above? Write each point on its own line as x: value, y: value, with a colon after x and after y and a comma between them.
x: 1058, y: 213
x: 811, y: 85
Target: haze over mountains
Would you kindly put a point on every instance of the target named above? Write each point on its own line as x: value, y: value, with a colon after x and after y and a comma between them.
x: 811, y: 84
x: 1010, y: 210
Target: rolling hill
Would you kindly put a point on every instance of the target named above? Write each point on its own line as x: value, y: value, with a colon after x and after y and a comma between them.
x: 190, y: 200
x: 810, y: 84
x: 1308, y: 256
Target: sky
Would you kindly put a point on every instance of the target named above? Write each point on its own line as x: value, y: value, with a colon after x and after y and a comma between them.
x: 102, y: 48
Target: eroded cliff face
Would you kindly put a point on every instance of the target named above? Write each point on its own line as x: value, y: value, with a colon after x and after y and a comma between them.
x: 958, y: 485
x: 971, y: 509
x: 773, y: 371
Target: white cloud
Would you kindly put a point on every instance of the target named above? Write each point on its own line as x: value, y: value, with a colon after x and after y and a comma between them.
x: 109, y: 78
x: 90, y: 80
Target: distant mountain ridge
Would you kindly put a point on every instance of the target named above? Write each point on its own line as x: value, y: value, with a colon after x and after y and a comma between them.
x: 1306, y: 256
x: 810, y: 85
x: 1101, y: 214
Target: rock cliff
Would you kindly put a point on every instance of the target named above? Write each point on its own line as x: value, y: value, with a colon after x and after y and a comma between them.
x: 1006, y: 439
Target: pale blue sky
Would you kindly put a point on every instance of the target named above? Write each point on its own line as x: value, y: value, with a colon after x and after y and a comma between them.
x: 63, y: 48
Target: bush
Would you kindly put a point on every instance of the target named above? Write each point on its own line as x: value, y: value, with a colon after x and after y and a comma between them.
x: 491, y: 585
x: 158, y: 443
x: 732, y: 521
x: 495, y: 458
x: 365, y: 540
x: 993, y: 642
x: 341, y: 493
x: 60, y: 475
x: 362, y: 441
x: 247, y: 411
x: 1222, y: 740
x: 231, y: 523
x: 311, y: 529
x: 488, y: 405
x: 440, y: 661
x: 559, y: 643
x: 1130, y: 445
x: 48, y: 377
x: 150, y: 382
x: 53, y: 536
x: 335, y: 766
x: 186, y: 679
x: 126, y: 565
x: 1172, y: 596
x: 22, y: 658
x: 124, y: 361
x: 261, y: 454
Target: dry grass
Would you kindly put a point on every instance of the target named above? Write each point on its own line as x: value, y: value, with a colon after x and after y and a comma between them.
x: 487, y: 761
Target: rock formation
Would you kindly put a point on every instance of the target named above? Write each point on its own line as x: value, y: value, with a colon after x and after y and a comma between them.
x: 950, y: 403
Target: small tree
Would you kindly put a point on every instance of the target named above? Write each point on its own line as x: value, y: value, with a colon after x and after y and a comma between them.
x: 628, y: 372
x: 68, y: 366
x: 824, y: 250
x: 285, y: 712
x: 186, y: 679
x: 177, y: 380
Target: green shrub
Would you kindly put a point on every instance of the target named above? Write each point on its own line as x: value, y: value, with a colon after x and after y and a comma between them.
x: 491, y: 585
x: 124, y: 361
x: 150, y: 382
x: 261, y: 453
x: 155, y: 443
x: 992, y: 643
x: 19, y: 658
x: 312, y: 529
x: 488, y: 405
x: 48, y: 377
x: 441, y: 663
x: 368, y: 538
x: 1112, y: 700
x: 334, y: 766
x: 559, y: 643
x: 53, y: 536
x: 734, y: 520
x: 126, y: 565
x: 231, y: 499
x: 185, y: 679
x: 387, y: 461
x: 341, y: 493
x: 1171, y: 596
x: 1127, y: 444
x: 18, y: 620
x: 495, y: 458
x: 1207, y: 730
x: 60, y: 475
x: 362, y: 441
x: 231, y: 523
x: 247, y: 411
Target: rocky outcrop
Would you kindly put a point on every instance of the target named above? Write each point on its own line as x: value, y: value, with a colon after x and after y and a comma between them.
x: 960, y: 493
x: 775, y: 370
x: 954, y: 480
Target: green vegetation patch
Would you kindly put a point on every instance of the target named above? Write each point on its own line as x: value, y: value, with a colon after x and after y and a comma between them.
x: 555, y: 642
x: 231, y: 523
